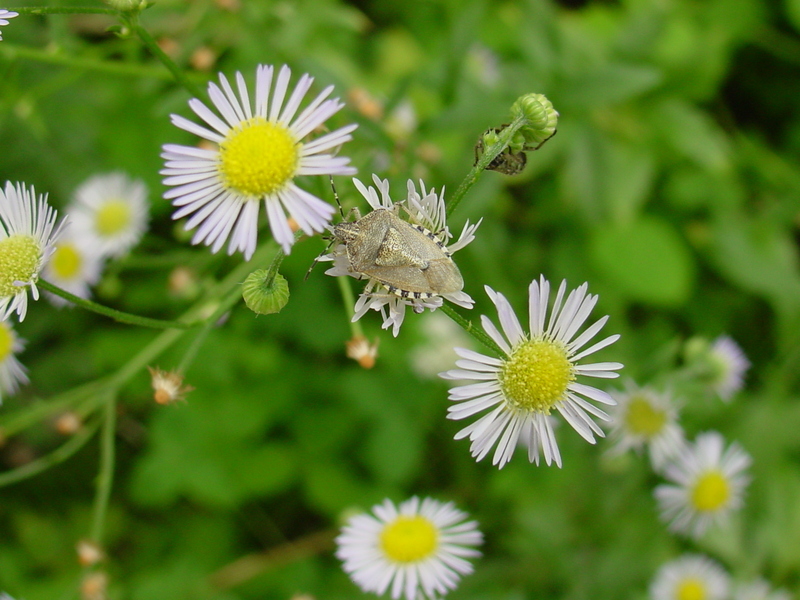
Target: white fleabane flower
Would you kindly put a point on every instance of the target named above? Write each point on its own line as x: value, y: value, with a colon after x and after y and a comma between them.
x: 759, y: 590
x: 708, y: 483
x: 537, y: 375
x: 644, y: 417
x: 418, y: 549
x: 258, y: 152
x: 730, y: 366
x: 74, y: 266
x: 690, y: 577
x: 5, y: 15
x: 109, y: 213
x: 27, y: 233
x: 12, y: 373
x: 426, y: 214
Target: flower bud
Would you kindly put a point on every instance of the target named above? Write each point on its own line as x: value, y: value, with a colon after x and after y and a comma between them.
x: 541, y: 119
x: 265, y: 297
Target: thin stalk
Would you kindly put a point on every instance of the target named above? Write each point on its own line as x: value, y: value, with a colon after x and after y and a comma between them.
x: 349, y: 302
x: 105, y: 477
x: 156, y: 50
x: 65, y: 10
x: 117, y: 315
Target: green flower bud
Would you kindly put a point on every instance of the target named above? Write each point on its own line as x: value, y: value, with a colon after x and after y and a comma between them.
x: 265, y: 297
x: 541, y: 118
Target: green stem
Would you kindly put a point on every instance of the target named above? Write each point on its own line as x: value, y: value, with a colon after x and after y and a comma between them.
x: 59, y: 455
x: 349, y: 302
x: 488, y: 156
x: 105, y: 477
x: 156, y: 50
x: 11, y: 51
x: 117, y: 315
x: 470, y: 328
x: 65, y: 10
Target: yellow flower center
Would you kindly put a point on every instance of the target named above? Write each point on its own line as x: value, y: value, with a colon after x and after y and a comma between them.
x: 19, y: 261
x: 711, y: 492
x: 6, y: 342
x: 114, y: 216
x: 642, y: 418
x: 258, y: 157
x: 409, y: 539
x: 536, y: 375
x: 66, y: 261
x: 691, y: 589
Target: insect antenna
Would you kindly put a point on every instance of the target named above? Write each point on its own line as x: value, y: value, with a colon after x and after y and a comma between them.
x: 336, y: 197
x: 328, y: 247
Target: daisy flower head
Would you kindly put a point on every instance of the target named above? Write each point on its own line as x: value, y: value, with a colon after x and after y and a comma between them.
x: 258, y: 150
x: 5, y: 15
x: 74, y: 266
x: 418, y: 549
x: 537, y: 375
x: 109, y: 213
x: 12, y: 373
x: 729, y: 366
x: 708, y: 482
x: 27, y: 232
x: 690, y: 577
x: 643, y: 417
x: 406, y: 262
x: 758, y: 590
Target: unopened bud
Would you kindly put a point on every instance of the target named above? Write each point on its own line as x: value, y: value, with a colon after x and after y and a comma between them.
x: 361, y: 351
x: 89, y: 553
x: 168, y: 386
x: 540, y: 116
x: 94, y: 586
x: 68, y: 423
x: 265, y: 297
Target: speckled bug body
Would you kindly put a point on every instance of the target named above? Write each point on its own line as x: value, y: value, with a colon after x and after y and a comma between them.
x: 407, y: 259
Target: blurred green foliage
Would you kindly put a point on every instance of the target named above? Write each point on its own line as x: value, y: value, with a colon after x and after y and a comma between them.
x: 672, y: 187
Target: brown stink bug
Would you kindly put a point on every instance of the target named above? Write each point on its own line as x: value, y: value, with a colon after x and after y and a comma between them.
x: 407, y: 262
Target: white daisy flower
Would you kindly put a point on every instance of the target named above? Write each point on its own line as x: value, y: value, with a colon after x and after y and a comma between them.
x: 74, y: 266
x: 690, y: 577
x: 395, y: 285
x: 12, y: 373
x: 258, y: 152
x: 759, y: 590
x: 109, y: 213
x: 27, y: 233
x: 5, y: 15
x: 417, y: 549
x: 708, y: 482
x: 644, y: 417
x: 537, y: 374
x: 730, y: 365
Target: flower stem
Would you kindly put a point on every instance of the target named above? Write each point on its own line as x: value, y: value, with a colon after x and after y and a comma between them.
x: 488, y: 156
x: 156, y: 50
x: 121, y: 317
x: 105, y: 477
x: 65, y: 10
x: 470, y: 328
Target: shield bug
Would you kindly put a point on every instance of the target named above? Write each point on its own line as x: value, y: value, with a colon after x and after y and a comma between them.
x: 407, y: 259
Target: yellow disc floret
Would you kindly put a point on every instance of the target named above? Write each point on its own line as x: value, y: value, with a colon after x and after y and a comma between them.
x: 691, y: 589
x: 642, y: 418
x: 113, y: 217
x: 258, y: 157
x: 6, y: 342
x: 409, y: 539
x: 66, y: 261
x: 536, y: 375
x: 20, y: 256
x: 711, y: 492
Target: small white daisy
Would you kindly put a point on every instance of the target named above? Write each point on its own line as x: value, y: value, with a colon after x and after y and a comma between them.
x: 758, y: 590
x: 109, y: 213
x: 426, y: 214
x: 644, y: 417
x: 27, y: 233
x: 258, y: 152
x: 12, y: 373
x: 690, y: 577
x: 729, y: 365
x: 708, y: 482
x: 5, y: 15
x: 417, y: 549
x: 74, y: 266
x: 537, y: 374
